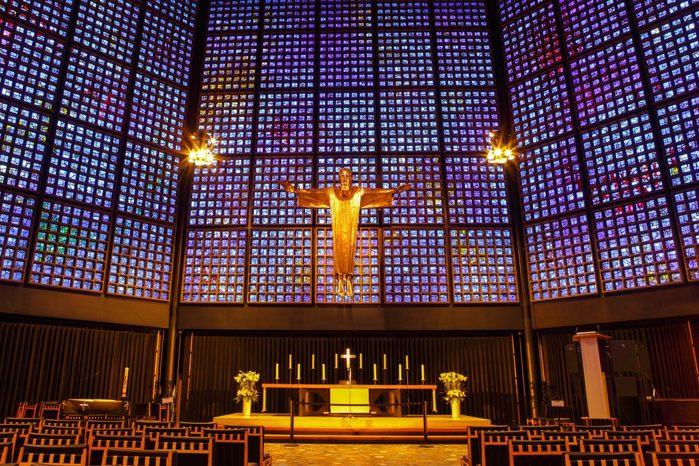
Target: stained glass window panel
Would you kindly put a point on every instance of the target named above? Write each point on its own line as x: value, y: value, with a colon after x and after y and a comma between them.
x: 285, y: 14
x: 590, y: 23
x: 157, y: 112
x: 83, y: 165
x: 23, y: 133
x: 346, y: 59
x: 423, y: 203
x: 483, y: 266
x: 687, y: 205
x: 47, y: 15
x: 636, y: 246
x: 16, y: 218
x: 467, y: 118
x: 95, y: 90
x: 184, y: 11
x: 229, y: 63
x: 679, y: 127
x: 233, y: 15
x: 541, y: 108
x: 405, y: 59
x: 141, y: 260
x: 31, y: 61
x: 607, y: 83
x: 229, y: 118
x: 166, y: 49
x: 464, y: 58
x: 512, y: 8
x: 671, y: 50
x: 214, y: 267
x: 367, y: 272
x: 402, y: 14
x: 108, y: 27
x: 220, y: 193
x: 71, y: 247
x: 465, y: 13
x: 285, y: 123
x: 621, y: 160
x: 287, y: 61
x: 280, y: 266
x: 271, y: 205
x: 346, y: 14
x: 650, y: 11
x: 149, y: 180
x: 476, y: 191
x: 561, y: 263
x: 363, y: 174
x: 551, y: 182
x: 346, y: 122
x: 415, y: 270
x: 408, y: 121
x: 531, y: 43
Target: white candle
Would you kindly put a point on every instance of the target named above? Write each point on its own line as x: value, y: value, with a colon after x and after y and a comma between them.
x: 374, y: 371
x: 361, y: 363
x: 291, y: 366
x: 313, y: 361
x: 400, y: 372
x: 422, y: 372
x: 384, y: 361
x: 276, y: 371
x: 125, y: 385
x: 335, y: 360
x: 407, y: 365
x: 298, y: 371
x: 323, y: 367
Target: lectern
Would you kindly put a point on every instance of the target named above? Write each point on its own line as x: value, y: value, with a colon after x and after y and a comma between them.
x: 595, y: 383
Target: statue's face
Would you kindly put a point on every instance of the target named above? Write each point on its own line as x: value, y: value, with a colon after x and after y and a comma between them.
x: 345, y: 178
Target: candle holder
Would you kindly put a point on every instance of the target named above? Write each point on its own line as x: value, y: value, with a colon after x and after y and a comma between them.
x: 407, y: 371
x: 276, y: 380
x: 291, y: 375
x: 375, y: 381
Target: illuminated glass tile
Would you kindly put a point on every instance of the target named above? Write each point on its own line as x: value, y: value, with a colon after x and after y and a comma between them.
x: 220, y: 193
x: 95, y: 90
x: 229, y: 63
x: 285, y: 14
x: 541, y: 108
x: 280, y: 266
x: 621, y: 160
x: 83, y: 165
x: 149, y: 179
x: 511, y: 8
x: 679, y: 127
x: 636, y: 246
x: 108, y: 26
x: 589, y: 23
x: 483, y: 266
x: 531, y: 43
x: 423, y: 203
x: 464, y: 58
x: 141, y: 260
x: 476, y: 191
x: 166, y: 49
x: 229, y: 118
x: 346, y: 59
x: 467, y: 117
x: 233, y: 15
x: 157, y: 112
x: 650, y: 11
x: 214, y: 267
x: 71, y: 247
x: 415, y: 269
x: 346, y: 122
x: 285, y: 123
x: 363, y: 174
x: 671, y: 51
x: 367, y: 271
x: 47, y: 15
x: 271, y: 205
x: 607, y: 83
x: 348, y: 14
x: 287, y: 61
x: 408, y: 121
x: 31, y: 62
x: 687, y: 205
x: 16, y: 215
x: 183, y: 11
x: 405, y: 59
x: 402, y: 14
x: 551, y: 180
x: 561, y: 263
x: 23, y: 133
x: 464, y: 13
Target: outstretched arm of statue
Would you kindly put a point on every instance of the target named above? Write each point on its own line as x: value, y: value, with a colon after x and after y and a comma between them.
x: 312, y: 198
x: 381, y: 197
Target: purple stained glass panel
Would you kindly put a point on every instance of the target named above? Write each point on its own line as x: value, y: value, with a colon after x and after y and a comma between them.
x: 687, y: 205
x: 476, y: 191
x: 590, y: 23
x: 229, y: 118
x: 364, y: 174
x: 271, y: 205
x: 47, y: 15
x: 166, y: 49
x: 679, y: 128
x: 510, y: 9
x: 408, y: 121
x: 421, y: 205
x: 346, y: 122
x: 16, y: 218
x: 345, y: 14
x: 183, y: 11
x: 464, y: 58
x: 220, y: 193
x: 650, y: 11
x: 467, y: 118
x: 229, y: 63
x: 227, y: 16
x: 405, y: 59
x: 287, y: 61
x: 285, y: 123
x: 402, y: 14
x: 108, y: 27
x: 463, y: 13
x: 285, y: 14
x: 346, y: 59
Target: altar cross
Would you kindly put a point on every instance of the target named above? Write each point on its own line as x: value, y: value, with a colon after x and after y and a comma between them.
x: 347, y: 356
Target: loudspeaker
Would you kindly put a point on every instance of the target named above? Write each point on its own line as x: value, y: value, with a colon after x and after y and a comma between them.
x: 572, y: 358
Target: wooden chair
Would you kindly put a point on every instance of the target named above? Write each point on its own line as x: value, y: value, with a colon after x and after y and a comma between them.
x: 600, y: 422
x: 603, y: 459
x: 26, y: 409
x: 594, y: 431
x: 494, y: 445
x: 151, y: 434
x: 657, y: 428
x: 682, y: 435
x: 610, y: 446
x: 674, y: 459
x: 64, y: 455
x: 11, y: 438
x: 256, y: 444
x: 40, y: 438
x: 34, y: 421
x: 473, y: 441
x: 126, y: 457
x: 62, y: 430
x: 684, y: 427
x: 6, y: 450
x: 62, y: 423
x: 191, y: 451
x: 124, y: 431
x: 537, y: 452
x: 645, y: 437
x: 105, y: 424
x: 230, y: 446
x: 99, y: 444
x: 141, y: 424
x: 50, y: 410
x: 573, y: 438
x: 196, y: 428
x: 676, y: 446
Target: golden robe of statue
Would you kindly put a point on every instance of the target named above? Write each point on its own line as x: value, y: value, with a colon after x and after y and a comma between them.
x: 345, y: 202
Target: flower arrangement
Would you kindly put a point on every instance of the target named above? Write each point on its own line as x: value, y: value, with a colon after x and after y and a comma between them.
x: 454, y: 385
x: 247, y: 390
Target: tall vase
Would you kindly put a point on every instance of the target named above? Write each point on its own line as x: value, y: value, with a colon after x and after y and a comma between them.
x: 455, y: 408
x: 247, y: 407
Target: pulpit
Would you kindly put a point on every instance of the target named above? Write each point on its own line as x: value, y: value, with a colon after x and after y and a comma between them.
x: 596, y: 393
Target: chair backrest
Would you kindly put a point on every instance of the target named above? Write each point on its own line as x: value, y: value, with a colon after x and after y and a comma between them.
x: 674, y: 459
x: 603, y: 459
x: 230, y: 446
x: 152, y: 433
x: 684, y: 427
x: 6, y: 447
x: 40, y: 438
x: 474, y: 440
x: 657, y: 428
x: 61, y: 430
x: 646, y: 437
x: 676, y: 446
x: 126, y: 457
x: 256, y: 442
x: 141, y: 424
x: 537, y: 452
x: 128, y: 431
x: 494, y: 449
x: 26, y: 409
x: 190, y: 450
x: 62, y: 423
x: 196, y: 428
x: 594, y: 431
x: 65, y: 455
x: 50, y: 410
x: 610, y: 446
x: 682, y: 435
x: 34, y: 421
x: 22, y: 430
x: 103, y: 424
x: 100, y: 443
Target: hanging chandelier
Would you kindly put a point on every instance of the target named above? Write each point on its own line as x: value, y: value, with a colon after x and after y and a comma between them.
x: 498, y: 153
x: 202, y: 149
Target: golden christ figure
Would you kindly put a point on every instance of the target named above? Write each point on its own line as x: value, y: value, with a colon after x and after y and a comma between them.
x: 345, y: 202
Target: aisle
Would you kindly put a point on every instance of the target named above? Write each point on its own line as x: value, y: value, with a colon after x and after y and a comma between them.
x: 375, y: 454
